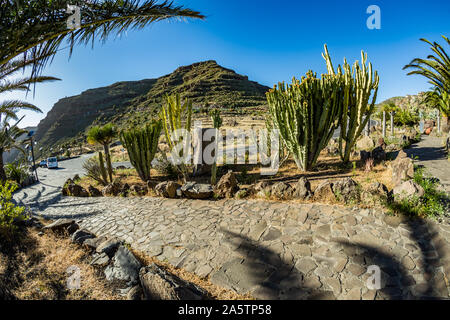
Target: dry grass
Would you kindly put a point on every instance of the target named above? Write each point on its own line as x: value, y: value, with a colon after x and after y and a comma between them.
x: 34, y: 268
x: 215, y: 292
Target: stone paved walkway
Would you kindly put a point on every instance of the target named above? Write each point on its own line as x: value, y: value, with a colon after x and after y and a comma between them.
x: 431, y: 155
x: 273, y: 250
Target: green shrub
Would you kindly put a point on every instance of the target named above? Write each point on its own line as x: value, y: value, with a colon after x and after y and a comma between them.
x: 16, y: 172
x: 431, y: 204
x: 94, y: 170
x: 10, y: 213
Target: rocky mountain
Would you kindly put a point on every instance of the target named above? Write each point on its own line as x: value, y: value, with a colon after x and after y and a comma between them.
x: 206, y: 83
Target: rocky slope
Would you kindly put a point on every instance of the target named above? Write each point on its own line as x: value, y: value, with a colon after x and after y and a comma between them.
x: 206, y: 83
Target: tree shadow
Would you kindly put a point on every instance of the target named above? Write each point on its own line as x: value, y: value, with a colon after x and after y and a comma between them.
x: 267, y: 275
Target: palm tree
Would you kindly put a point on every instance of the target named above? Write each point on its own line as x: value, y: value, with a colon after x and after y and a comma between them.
x: 8, y: 83
x: 441, y: 101
x: 104, y: 136
x: 37, y: 28
x: 436, y: 68
x: 8, y: 136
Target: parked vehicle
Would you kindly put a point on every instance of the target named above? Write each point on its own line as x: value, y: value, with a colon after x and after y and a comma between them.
x: 52, y: 163
x: 43, y: 164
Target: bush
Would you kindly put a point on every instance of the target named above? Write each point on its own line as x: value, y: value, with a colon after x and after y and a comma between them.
x: 94, y: 171
x: 10, y: 214
x: 16, y: 172
x: 431, y: 204
x: 164, y: 166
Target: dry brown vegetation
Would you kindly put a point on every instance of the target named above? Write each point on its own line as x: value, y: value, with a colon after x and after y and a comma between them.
x: 33, y: 267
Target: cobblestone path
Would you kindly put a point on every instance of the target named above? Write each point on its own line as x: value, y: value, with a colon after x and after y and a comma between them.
x: 273, y: 250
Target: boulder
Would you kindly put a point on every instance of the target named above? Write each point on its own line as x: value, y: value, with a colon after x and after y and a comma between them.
x: 108, y: 247
x: 125, y: 266
x: 227, y: 186
x: 193, y: 190
x: 124, y: 190
x: 376, y: 194
x: 100, y: 260
x: 135, y: 293
x: 378, y: 154
x: 346, y: 190
x: 81, y: 235
x: 167, y: 189
x: 112, y: 189
x: 402, y: 168
x: 138, y: 189
x: 59, y: 224
x: 324, y: 192
x: 158, y: 284
x: 407, y: 190
x: 365, y: 143
x: 72, y: 189
x: 151, y: 185
x: 94, y: 192
x: 92, y: 243
x: 302, y: 189
x: 282, y: 191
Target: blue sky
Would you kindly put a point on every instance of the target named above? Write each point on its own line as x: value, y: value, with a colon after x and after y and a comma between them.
x: 269, y: 41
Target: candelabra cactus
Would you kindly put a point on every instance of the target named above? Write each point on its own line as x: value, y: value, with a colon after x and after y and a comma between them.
x: 176, y: 120
x: 359, y: 84
x: 217, y: 123
x: 306, y: 114
x: 141, y: 145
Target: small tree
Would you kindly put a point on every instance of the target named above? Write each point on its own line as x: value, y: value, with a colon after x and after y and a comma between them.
x: 104, y: 136
x: 217, y: 123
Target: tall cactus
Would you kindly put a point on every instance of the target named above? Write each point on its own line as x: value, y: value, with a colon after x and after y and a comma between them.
x: 306, y: 114
x: 142, y: 144
x: 359, y: 84
x: 175, y: 117
x: 217, y: 123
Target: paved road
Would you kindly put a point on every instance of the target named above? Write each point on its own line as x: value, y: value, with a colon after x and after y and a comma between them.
x: 431, y: 154
x: 272, y: 250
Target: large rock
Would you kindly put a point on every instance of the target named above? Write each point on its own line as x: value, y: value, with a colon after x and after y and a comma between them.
x: 109, y: 246
x: 193, y: 190
x: 365, y: 143
x: 302, y: 189
x: 112, y: 189
x: 227, y: 186
x: 402, y: 168
x: 346, y: 190
x: 125, y: 266
x: 167, y: 189
x: 282, y: 191
x: 158, y: 284
x: 94, y: 192
x: 376, y: 194
x: 60, y: 224
x: 72, y: 189
x: 407, y: 190
x: 324, y: 192
x: 81, y: 235
x: 138, y: 190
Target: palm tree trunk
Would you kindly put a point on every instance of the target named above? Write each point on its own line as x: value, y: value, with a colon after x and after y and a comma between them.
x: 445, y: 124
x: 108, y: 162
x: 2, y: 168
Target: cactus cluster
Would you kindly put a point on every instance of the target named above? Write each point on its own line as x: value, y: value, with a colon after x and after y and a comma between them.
x: 142, y: 145
x: 307, y: 112
x: 360, y: 84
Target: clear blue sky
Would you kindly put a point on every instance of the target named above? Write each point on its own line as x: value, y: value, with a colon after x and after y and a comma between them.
x: 269, y: 41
